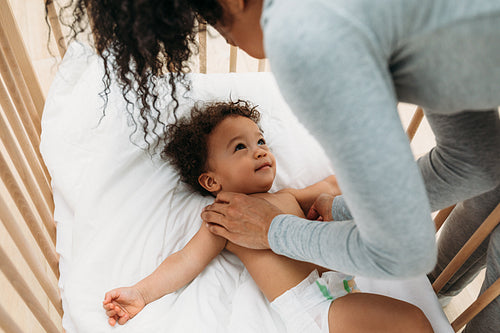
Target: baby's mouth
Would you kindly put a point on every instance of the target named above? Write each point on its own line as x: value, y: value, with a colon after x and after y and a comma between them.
x: 263, y: 166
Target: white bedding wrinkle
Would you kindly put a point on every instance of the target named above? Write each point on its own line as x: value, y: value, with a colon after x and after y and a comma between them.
x: 119, y: 212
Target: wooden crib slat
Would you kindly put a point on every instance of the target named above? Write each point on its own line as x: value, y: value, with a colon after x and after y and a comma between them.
x: 23, y: 289
x: 33, y: 133
x: 14, y: 38
x: 28, y: 251
x: 23, y: 155
x: 472, y: 244
x: 18, y: 90
x: 55, y: 24
x: 29, y: 184
x: 233, y: 54
x: 441, y: 216
x: 262, y: 65
x: 477, y: 306
x: 7, y: 323
x: 415, y: 123
x: 18, y: 117
x: 44, y: 240
x: 202, y: 41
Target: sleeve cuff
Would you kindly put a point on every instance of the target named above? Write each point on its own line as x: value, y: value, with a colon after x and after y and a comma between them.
x: 340, y: 211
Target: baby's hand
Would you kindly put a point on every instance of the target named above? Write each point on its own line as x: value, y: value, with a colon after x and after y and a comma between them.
x: 321, y: 209
x: 122, y: 304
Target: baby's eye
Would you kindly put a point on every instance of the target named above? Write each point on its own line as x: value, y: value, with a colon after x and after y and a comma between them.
x: 239, y: 146
x: 261, y: 142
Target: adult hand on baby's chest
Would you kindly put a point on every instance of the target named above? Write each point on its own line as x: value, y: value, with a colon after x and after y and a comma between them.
x: 242, y: 219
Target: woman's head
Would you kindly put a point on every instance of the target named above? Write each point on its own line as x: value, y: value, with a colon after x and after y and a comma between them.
x: 220, y: 147
x: 240, y: 25
x: 146, y: 38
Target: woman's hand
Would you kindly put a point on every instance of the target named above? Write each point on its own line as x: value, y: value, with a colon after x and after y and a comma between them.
x: 122, y: 304
x: 241, y: 219
x: 321, y: 209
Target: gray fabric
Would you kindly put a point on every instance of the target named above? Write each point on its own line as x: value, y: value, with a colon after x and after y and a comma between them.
x: 343, y: 65
x: 465, y: 218
x: 488, y: 320
x: 463, y: 221
x: 342, y: 68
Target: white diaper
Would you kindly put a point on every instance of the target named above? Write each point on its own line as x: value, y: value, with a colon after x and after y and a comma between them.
x: 305, y: 307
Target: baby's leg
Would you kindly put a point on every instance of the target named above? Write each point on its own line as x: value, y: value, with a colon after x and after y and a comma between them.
x: 363, y: 312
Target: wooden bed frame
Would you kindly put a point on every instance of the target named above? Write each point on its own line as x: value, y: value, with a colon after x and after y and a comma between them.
x: 30, y: 299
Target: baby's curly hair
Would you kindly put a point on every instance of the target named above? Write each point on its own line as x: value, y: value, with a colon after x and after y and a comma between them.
x: 187, y: 147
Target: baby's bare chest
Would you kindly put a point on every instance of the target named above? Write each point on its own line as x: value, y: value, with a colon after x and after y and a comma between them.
x: 284, y: 201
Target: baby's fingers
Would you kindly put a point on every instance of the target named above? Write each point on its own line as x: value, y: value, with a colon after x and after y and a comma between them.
x: 312, y: 214
x: 123, y: 319
x: 111, y: 295
x: 112, y: 321
x: 113, y: 310
x: 112, y: 313
x: 108, y: 306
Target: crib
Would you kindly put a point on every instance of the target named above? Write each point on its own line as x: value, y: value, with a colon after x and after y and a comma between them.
x: 29, y: 295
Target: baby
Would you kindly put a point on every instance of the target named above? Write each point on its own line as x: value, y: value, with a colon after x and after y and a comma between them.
x: 220, y: 147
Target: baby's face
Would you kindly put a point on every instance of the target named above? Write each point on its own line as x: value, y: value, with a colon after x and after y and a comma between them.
x: 238, y: 157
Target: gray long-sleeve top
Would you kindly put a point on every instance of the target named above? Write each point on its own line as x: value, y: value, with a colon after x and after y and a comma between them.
x: 342, y: 65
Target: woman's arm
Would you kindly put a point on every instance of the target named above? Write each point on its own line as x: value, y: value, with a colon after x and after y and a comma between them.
x: 306, y: 196
x: 350, y: 104
x: 174, y: 272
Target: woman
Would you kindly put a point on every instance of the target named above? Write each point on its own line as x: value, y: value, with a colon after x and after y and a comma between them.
x: 342, y: 66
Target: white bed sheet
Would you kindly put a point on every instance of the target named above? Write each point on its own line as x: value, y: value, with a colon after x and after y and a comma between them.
x: 120, y: 212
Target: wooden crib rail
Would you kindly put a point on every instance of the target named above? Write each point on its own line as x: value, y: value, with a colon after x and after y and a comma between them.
x: 465, y: 252
x: 479, y: 304
x: 14, y: 38
x: 55, y: 25
x: 441, y: 217
x: 415, y: 122
x: 472, y: 244
x: 237, y: 60
x: 30, y: 300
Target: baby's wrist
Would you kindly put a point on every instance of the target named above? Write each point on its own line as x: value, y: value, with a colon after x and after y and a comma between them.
x: 143, y: 293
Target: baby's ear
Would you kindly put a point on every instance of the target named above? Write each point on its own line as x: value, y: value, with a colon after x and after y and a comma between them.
x: 208, y: 182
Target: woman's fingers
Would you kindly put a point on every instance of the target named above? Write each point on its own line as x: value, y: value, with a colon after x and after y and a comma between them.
x: 214, y: 214
x: 241, y: 219
x: 218, y: 230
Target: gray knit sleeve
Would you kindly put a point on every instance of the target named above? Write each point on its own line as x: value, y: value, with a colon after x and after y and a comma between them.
x: 390, y: 233
x: 340, y: 211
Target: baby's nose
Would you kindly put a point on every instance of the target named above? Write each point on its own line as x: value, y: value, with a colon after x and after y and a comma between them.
x: 259, y: 152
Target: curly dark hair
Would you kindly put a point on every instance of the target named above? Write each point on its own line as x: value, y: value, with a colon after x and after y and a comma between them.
x: 139, y: 40
x: 187, y: 147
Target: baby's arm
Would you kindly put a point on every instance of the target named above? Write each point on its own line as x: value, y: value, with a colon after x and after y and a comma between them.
x: 174, y: 272
x: 306, y: 196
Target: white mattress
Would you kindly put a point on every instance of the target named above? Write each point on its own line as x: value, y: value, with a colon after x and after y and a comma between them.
x: 120, y: 212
